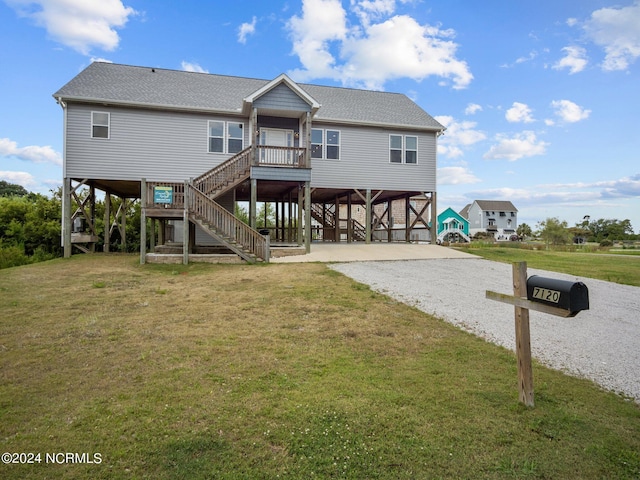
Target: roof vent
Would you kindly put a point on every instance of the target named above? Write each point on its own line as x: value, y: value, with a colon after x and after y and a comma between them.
x: 153, y: 70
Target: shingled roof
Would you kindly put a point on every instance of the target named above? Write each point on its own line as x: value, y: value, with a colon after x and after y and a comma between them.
x: 496, y: 205
x: 173, y: 89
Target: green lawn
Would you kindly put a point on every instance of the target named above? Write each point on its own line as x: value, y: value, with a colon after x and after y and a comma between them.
x: 276, y: 371
x: 619, y: 267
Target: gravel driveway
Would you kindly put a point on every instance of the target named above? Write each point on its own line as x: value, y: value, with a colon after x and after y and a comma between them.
x: 602, y: 343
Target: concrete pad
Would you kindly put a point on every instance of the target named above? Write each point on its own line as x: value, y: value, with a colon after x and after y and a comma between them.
x: 361, y: 252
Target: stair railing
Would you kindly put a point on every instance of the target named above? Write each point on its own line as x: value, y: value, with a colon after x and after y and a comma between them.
x: 226, y: 224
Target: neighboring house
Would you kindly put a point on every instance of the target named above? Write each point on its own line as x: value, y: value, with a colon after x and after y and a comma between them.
x: 192, y: 145
x: 497, y: 218
x: 452, y: 227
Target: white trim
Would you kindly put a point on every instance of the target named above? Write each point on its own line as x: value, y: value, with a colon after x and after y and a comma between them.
x: 108, y: 125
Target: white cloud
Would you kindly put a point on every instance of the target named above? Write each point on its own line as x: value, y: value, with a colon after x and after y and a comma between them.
x: 569, y: 112
x: 472, y: 109
x: 247, y: 29
x: 575, y: 60
x: 31, y: 153
x: 521, y: 145
x: 19, y: 178
x: 79, y: 24
x: 322, y: 22
x: 193, y: 67
x: 369, y: 53
x: 617, y: 30
x: 519, y: 112
x: 457, y: 136
x: 456, y: 176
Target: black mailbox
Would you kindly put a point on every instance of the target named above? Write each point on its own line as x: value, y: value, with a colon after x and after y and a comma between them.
x: 571, y: 296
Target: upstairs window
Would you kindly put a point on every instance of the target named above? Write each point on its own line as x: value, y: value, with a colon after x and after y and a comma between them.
x: 325, y: 144
x: 403, y: 149
x: 317, y: 140
x: 100, y: 124
x: 333, y: 145
x: 216, y: 137
x: 225, y: 137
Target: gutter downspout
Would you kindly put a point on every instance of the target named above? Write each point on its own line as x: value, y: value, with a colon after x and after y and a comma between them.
x: 65, y: 239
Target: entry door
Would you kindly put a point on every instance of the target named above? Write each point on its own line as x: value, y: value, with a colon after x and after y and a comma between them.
x: 275, y: 137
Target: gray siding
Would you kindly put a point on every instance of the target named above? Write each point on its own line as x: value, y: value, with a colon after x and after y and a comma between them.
x: 152, y: 144
x: 172, y: 146
x: 282, y: 98
x: 364, y: 162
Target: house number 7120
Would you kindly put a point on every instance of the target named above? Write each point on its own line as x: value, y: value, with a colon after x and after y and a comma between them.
x: 546, y: 294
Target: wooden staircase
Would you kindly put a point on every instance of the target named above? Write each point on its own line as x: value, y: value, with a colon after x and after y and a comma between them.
x: 197, y: 198
x: 327, y: 218
x: 225, y: 176
x: 218, y: 222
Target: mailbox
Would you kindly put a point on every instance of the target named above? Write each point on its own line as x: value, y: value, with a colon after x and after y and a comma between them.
x: 571, y: 296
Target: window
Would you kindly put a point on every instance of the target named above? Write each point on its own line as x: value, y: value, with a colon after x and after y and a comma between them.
x: 325, y: 144
x: 232, y: 132
x: 100, y: 124
x: 403, y: 149
x: 411, y: 149
x: 333, y: 144
x: 395, y: 148
x: 317, y: 140
x: 235, y: 140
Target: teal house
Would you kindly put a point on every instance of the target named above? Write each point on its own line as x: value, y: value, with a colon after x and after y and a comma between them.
x: 452, y: 227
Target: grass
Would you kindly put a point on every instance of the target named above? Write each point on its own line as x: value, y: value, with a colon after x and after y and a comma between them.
x: 621, y: 268
x: 276, y: 371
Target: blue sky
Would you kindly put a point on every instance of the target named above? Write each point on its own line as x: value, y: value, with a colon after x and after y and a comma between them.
x: 541, y: 99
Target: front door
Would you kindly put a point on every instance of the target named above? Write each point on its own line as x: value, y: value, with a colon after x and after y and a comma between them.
x: 275, y: 137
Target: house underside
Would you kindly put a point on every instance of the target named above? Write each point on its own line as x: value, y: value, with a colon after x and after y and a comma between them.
x: 292, y: 224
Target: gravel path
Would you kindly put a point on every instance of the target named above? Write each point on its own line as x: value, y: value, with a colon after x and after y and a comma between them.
x: 602, y: 343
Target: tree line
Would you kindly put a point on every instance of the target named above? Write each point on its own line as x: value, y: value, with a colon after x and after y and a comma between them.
x: 30, y: 227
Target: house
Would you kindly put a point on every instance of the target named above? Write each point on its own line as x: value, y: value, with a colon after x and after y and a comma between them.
x: 190, y: 146
x: 452, y: 227
x: 495, y: 217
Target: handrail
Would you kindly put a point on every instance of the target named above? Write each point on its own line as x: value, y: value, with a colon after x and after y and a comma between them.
x: 281, y: 156
x: 226, y: 223
x: 219, y: 176
x: 177, y: 195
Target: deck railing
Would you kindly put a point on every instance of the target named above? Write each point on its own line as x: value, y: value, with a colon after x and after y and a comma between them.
x: 175, y: 201
x: 227, y: 224
x: 225, y: 174
x: 281, y: 156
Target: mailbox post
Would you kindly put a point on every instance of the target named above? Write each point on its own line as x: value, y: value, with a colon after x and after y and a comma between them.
x: 548, y: 295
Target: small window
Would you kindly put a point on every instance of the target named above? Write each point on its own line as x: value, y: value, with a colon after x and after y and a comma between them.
x: 317, y: 140
x: 235, y: 141
x: 100, y: 124
x: 502, y: 214
x: 395, y: 148
x: 411, y: 150
x: 333, y: 145
x: 216, y: 137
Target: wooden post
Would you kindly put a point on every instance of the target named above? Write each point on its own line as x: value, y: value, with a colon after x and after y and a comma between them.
x: 185, y: 225
x: 143, y: 221
x: 523, y: 338
x: 107, y: 222
x: 66, y: 217
x: 307, y: 217
x: 367, y: 212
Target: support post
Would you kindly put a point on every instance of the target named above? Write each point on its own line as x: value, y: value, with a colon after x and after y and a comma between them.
x: 434, y: 219
x: 107, y: 222
x: 66, y: 217
x: 368, y: 213
x: 185, y: 225
x: 253, y: 208
x: 307, y: 216
x: 143, y: 221
x: 523, y: 337
x: 300, y: 214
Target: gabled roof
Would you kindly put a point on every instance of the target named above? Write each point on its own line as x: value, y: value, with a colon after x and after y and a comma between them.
x: 283, y: 79
x: 147, y: 87
x: 464, y: 213
x: 496, y: 205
